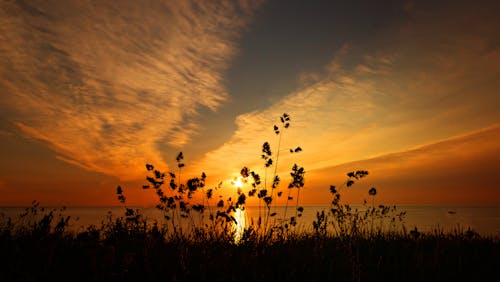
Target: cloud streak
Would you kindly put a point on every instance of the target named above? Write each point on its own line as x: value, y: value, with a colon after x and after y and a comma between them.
x: 458, y: 170
x: 105, y: 85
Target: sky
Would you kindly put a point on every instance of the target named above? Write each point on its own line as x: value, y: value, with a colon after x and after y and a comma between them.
x: 91, y: 91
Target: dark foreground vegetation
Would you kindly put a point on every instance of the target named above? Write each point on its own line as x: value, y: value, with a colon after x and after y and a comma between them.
x: 202, y: 238
x: 124, y: 251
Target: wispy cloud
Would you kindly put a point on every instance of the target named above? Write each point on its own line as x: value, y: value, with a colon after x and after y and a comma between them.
x: 106, y: 84
x: 326, y: 117
x: 402, y: 92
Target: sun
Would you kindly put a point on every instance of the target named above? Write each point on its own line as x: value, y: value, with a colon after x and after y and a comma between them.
x: 237, y: 182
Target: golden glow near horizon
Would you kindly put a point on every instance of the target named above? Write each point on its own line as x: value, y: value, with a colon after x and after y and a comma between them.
x: 409, y: 93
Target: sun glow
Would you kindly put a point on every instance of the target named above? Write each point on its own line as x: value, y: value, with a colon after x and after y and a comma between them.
x: 237, y: 182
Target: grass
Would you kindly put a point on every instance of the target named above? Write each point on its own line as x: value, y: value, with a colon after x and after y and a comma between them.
x: 124, y: 251
x: 197, y: 241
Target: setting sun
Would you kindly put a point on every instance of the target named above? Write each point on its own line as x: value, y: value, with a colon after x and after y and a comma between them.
x: 237, y: 182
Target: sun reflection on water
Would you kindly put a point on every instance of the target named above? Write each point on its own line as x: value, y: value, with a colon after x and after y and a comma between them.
x: 240, y: 224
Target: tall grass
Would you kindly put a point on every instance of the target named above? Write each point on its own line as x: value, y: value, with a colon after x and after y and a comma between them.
x: 38, y: 248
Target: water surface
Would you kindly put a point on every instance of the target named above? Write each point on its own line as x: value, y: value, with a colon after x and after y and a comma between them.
x: 482, y: 219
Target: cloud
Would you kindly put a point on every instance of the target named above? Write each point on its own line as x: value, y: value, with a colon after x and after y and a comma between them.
x: 325, y: 117
x: 401, y: 89
x: 104, y: 84
x: 458, y: 170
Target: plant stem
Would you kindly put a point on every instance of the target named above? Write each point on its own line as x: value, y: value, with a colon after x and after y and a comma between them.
x: 275, y: 171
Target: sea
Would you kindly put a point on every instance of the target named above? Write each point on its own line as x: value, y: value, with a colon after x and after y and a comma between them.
x: 484, y: 220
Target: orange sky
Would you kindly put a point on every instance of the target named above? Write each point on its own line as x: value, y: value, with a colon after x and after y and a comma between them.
x: 408, y: 91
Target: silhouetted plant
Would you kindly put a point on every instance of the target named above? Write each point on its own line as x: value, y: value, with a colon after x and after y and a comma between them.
x: 177, y: 201
x: 347, y: 221
x: 278, y: 130
x: 174, y: 201
x: 263, y: 194
x: 297, y: 182
x: 320, y: 224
